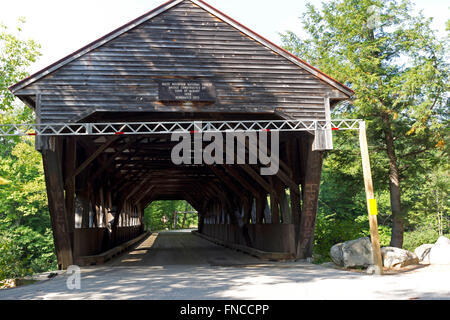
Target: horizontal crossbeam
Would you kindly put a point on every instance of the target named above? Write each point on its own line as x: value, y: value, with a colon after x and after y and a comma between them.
x: 146, y: 128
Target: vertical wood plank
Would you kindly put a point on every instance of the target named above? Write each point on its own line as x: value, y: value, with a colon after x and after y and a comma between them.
x: 267, y: 213
x: 284, y: 208
x: 295, y: 207
x: 260, y: 205
x: 293, y: 156
x: 310, y: 194
x: 274, y: 203
x: 102, y: 207
x: 86, y: 209
x: 70, y: 158
x: 38, y: 113
x: 93, y: 198
x: 283, y: 201
x: 56, y: 201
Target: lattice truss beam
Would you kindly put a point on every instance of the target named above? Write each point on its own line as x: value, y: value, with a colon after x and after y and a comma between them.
x: 145, y: 128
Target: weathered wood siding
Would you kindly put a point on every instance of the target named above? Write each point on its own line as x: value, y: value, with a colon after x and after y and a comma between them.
x: 185, y: 42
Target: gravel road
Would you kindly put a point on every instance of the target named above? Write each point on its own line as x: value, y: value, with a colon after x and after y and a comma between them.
x: 179, y: 265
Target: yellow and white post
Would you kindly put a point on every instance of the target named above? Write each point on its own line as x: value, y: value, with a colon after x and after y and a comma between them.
x: 371, y: 202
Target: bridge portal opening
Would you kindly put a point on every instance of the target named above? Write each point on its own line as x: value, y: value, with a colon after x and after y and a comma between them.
x: 105, y: 116
x: 165, y: 215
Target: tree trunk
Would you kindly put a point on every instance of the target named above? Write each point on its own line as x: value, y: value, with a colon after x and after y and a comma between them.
x: 394, y: 186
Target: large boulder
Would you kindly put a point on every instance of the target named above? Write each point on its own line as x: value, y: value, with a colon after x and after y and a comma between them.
x: 423, y: 252
x: 440, y: 253
x: 397, y: 258
x: 337, y: 255
x: 354, y: 253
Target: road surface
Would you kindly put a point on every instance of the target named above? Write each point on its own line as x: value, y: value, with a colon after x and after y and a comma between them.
x: 179, y: 265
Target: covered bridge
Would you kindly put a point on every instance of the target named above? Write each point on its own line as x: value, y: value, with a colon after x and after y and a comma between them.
x: 182, y: 62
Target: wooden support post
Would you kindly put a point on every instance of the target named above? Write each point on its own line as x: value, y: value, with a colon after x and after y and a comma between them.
x: 184, y: 221
x: 130, y: 215
x: 70, y: 158
x: 85, y: 218
x: 310, y: 192
x: 292, y: 150
x: 286, y: 216
x: 260, y: 205
x: 84, y: 195
x: 102, y: 208
x: 371, y: 203
x: 274, y: 202
x: 292, y: 154
x: 51, y: 150
x: 115, y: 225
x: 267, y: 215
x: 274, y: 209
x: 175, y: 220
x: 296, y: 210
x: 126, y: 214
x: 283, y: 201
x: 93, y: 198
x: 201, y: 221
x: 295, y: 207
x: 140, y: 216
x: 248, y: 201
x: 245, y: 219
x: 109, y: 214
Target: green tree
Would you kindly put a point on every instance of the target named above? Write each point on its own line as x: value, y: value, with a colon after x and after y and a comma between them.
x: 154, y: 214
x: 16, y: 55
x: 23, y: 200
x: 395, y: 63
x: 26, y: 242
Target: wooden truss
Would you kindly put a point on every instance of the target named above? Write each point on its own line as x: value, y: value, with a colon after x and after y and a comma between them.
x: 145, y: 128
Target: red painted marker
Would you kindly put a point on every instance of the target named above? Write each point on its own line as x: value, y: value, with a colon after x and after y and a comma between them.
x: 120, y: 133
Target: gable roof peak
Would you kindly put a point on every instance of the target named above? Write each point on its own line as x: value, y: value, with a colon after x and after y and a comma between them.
x: 163, y: 8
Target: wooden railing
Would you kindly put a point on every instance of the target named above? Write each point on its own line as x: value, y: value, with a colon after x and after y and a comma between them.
x: 265, y: 237
x: 92, y: 241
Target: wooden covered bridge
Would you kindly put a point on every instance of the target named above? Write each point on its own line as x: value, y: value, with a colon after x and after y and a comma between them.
x: 184, y: 62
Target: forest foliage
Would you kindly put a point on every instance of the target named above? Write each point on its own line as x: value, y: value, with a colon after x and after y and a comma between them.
x: 160, y: 216
x: 26, y: 241
x: 399, y: 69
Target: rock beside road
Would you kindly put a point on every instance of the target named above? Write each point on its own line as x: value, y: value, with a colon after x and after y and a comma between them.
x: 423, y: 252
x: 354, y: 253
x: 397, y: 258
x: 336, y: 254
x: 440, y: 252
